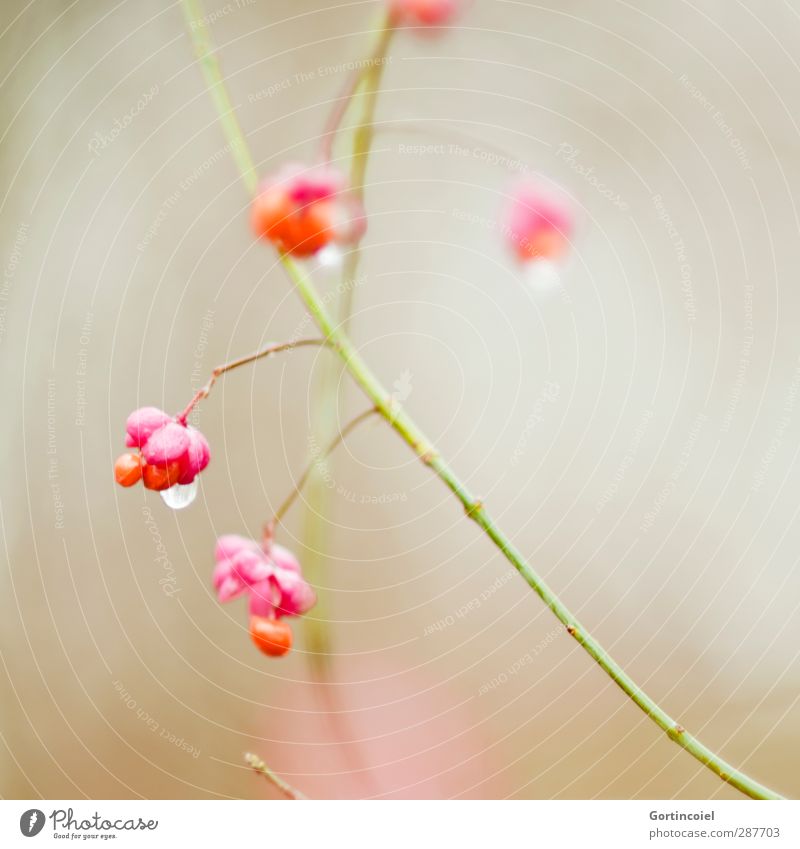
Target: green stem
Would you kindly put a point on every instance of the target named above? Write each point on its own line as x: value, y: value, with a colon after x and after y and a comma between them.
x: 362, y: 145
x: 474, y: 509
x: 323, y: 407
x: 402, y: 423
x: 315, y: 523
x: 365, y: 131
x: 197, y: 22
x: 359, y: 77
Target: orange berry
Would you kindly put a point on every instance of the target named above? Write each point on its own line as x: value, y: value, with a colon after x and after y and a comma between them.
x: 547, y: 244
x: 271, y: 636
x: 270, y: 212
x: 315, y: 228
x: 287, y: 234
x: 161, y: 477
x: 128, y: 469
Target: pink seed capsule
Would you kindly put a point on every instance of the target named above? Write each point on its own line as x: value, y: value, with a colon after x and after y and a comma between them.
x: 540, y: 223
x: 172, y: 452
x: 430, y: 13
x: 302, y: 210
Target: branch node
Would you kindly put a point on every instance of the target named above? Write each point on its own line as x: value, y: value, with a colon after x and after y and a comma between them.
x: 428, y: 456
x: 258, y: 765
x: 474, y: 508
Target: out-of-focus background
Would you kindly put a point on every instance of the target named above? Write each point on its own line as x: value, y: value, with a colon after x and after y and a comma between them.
x: 635, y: 428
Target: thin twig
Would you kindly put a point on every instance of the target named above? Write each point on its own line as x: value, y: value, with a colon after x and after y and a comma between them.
x: 361, y: 75
x: 475, y: 510
x: 292, y: 496
x: 274, y: 348
x: 255, y: 762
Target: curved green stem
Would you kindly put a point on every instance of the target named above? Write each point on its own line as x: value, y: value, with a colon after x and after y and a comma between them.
x: 362, y: 145
x: 197, y: 22
x: 474, y: 509
x: 402, y: 423
x: 361, y: 86
x: 367, y: 75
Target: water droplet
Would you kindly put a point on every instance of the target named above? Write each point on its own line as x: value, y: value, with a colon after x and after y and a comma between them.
x: 179, y: 496
x: 542, y: 276
x: 330, y: 256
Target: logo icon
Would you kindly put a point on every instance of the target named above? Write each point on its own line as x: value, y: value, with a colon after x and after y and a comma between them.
x: 403, y: 386
x: 31, y: 822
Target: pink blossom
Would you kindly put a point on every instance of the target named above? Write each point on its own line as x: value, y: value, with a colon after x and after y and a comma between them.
x: 168, y: 444
x: 425, y: 13
x: 305, y: 184
x: 142, y: 423
x: 540, y: 222
x: 303, y: 209
x: 172, y: 451
x: 198, y: 456
x: 270, y: 574
x: 240, y: 565
x: 284, y: 559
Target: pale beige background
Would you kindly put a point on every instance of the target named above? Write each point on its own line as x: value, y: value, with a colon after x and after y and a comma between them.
x: 675, y: 380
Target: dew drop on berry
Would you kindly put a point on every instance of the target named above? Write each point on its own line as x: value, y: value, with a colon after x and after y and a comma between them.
x: 179, y: 496
x: 542, y: 276
x: 330, y: 257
